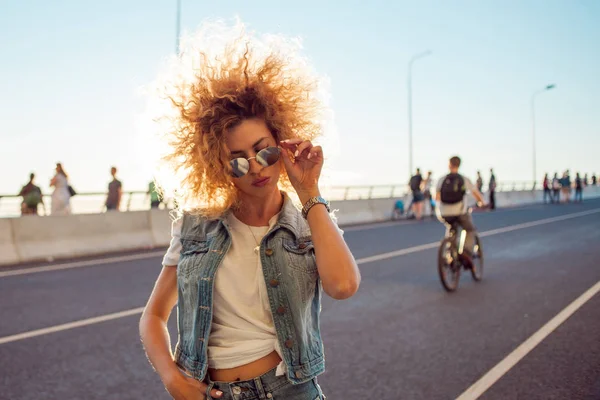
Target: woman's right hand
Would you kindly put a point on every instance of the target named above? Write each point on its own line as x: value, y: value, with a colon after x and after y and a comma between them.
x: 186, y: 388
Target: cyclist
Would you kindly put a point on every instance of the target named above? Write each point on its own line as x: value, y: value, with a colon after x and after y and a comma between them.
x: 452, y: 205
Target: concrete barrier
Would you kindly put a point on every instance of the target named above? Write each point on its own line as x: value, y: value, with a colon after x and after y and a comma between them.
x: 41, y: 238
x: 525, y: 197
x: 160, y: 226
x: 352, y: 212
x: 8, y: 251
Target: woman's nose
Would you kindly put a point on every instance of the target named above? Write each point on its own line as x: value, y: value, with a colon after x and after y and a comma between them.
x: 255, y: 166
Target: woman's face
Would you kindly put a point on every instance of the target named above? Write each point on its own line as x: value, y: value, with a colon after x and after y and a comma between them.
x: 245, y: 140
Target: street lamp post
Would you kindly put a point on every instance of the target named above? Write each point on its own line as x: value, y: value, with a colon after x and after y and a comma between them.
x: 410, y: 144
x: 178, y: 26
x: 548, y: 87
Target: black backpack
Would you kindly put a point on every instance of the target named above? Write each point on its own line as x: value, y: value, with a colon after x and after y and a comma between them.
x: 453, y: 189
x: 415, y: 183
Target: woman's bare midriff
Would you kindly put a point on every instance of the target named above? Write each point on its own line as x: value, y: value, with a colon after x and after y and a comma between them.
x: 247, y: 371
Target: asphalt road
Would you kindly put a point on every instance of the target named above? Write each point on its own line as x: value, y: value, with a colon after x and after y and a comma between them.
x: 400, y: 337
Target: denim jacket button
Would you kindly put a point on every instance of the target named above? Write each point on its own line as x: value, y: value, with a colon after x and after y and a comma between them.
x: 302, y: 246
x: 298, y: 374
x: 274, y: 283
x: 281, y: 310
x: 236, y: 390
x: 289, y: 343
x: 269, y: 252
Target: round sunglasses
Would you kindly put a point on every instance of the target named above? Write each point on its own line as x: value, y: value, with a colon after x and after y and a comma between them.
x: 266, y: 157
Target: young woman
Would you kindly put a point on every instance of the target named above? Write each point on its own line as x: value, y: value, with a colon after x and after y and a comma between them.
x: 61, y: 197
x: 246, y: 267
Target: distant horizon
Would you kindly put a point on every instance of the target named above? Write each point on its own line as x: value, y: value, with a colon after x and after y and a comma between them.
x: 73, y: 75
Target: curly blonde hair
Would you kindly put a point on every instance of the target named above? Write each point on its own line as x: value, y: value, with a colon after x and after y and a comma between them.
x: 225, y: 76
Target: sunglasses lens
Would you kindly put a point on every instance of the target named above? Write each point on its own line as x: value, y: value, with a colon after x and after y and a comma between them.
x: 267, y: 157
x: 240, y: 167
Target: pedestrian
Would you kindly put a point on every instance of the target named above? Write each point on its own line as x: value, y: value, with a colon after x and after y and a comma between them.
x: 556, y: 188
x: 416, y: 187
x: 245, y: 266
x: 565, y: 185
x: 115, y: 192
x: 398, y: 209
x: 153, y: 194
x: 479, y: 182
x: 427, y: 193
x: 492, y: 189
x: 578, y: 188
x: 61, y: 196
x: 585, y: 180
x: 594, y: 179
x: 547, y: 192
x: 32, y: 198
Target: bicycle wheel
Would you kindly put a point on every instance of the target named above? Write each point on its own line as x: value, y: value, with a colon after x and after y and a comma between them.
x: 448, y: 265
x: 477, y: 270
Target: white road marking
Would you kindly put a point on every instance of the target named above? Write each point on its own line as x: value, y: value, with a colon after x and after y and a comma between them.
x: 365, y: 260
x: 79, y: 264
x: 382, y: 224
x: 494, y: 374
x: 539, y: 222
x: 70, y: 325
x: 511, y: 228
x: 397, y: 253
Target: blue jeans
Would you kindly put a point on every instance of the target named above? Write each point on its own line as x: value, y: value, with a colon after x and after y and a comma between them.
x: 266, y: 387
x: 548, y: 194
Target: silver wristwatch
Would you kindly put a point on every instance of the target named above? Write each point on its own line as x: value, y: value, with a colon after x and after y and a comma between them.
x: 313, y: 201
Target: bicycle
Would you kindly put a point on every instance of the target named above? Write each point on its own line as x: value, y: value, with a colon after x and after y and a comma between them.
x: 449, y: 256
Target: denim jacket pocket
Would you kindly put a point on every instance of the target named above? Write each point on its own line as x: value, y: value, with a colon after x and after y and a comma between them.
x: 301, y: 255
x: 191, y: 251
x: 192, y: 246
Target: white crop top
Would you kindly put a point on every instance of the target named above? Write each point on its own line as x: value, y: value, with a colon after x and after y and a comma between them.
x: 242, y: 327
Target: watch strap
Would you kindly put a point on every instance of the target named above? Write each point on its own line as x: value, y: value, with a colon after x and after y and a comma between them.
x: 313, y: 201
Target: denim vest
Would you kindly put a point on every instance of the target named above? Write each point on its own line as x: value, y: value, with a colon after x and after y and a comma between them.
x: 293, y: 286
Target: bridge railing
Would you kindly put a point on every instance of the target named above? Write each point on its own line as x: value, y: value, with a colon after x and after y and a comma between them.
x: 93, y: 202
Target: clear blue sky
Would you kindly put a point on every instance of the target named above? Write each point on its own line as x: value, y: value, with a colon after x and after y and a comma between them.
x: 70, y: 73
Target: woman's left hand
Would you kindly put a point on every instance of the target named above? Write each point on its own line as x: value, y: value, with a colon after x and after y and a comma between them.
x: 303, y: 163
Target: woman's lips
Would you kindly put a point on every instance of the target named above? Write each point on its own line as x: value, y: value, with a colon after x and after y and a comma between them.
x: 261, y: 182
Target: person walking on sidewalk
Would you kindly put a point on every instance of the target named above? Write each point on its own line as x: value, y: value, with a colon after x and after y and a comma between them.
x: 32, y: 198
x: 578, y: 188
x: 61, y: 197
x: 547, y: 191
x: 416, y: 187
x: 153, y: 194
x: 492, y: 190
x: 427, y: 193
x: 479, y: 182
x: 556, y: 188
x: 115, y: 192
x: 565, y: 185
